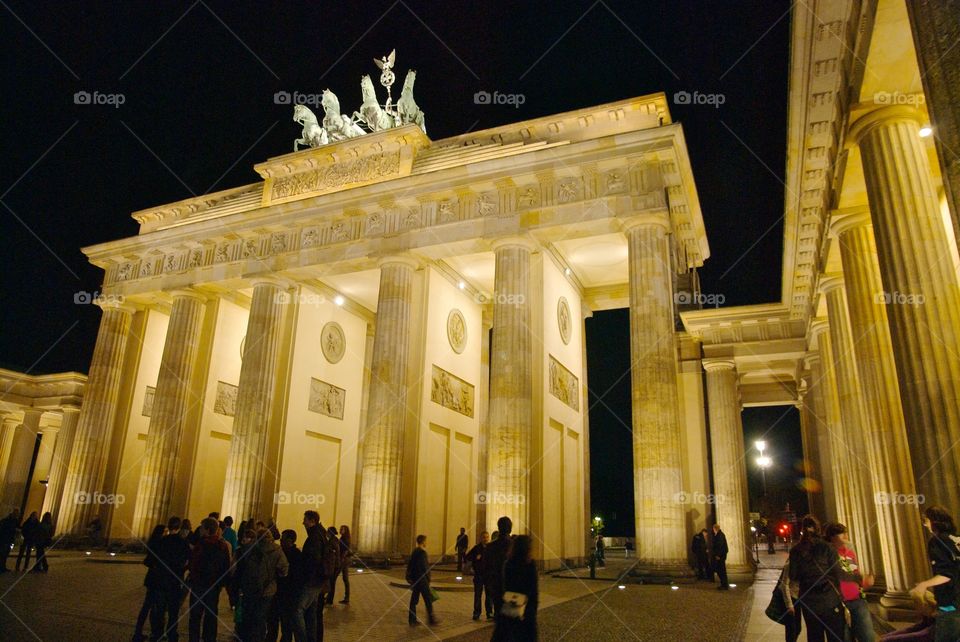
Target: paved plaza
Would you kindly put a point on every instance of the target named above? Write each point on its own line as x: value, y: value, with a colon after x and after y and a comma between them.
x: 81, y: 599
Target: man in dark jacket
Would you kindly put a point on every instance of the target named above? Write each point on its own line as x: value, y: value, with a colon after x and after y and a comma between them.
x: 8, y: 533
x: 210, y: 565
x: 720, y: 551
x: 172, y: 555
x: 418, y: 577
x: 497, y: 552
x: 308, y: 612
x: 478, y: 558
x: 463, y: 543
x: 261, y: 564
x: 288, y: 590
x: 701, y: 555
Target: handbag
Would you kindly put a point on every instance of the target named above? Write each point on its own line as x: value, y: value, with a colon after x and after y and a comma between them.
x: 434, y: 595
x: 514, y: 605
x: 777, y: 609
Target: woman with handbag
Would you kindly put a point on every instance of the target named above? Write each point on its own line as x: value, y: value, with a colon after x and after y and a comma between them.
x: 783, y: 608
x: 815, y: 566
x: 517, y: 619
x: 852, y: 579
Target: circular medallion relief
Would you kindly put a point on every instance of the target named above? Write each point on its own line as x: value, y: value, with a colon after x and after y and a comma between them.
x: 332, y: 342
x: 563, y: 319
x: 457, y: 330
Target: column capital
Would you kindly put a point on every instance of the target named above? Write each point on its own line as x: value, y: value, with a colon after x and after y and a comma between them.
x: 646, y: 219
x: 187, y: 293
x: 718, y: 365
x: 848, y: 219
x: 283, y: 284
x: 812, y: 358
x: 116, y: 303
x: 890, y: 113
x: 830, y: 282
x: 32, y: 413
x: 515, y: 241
x: 400, y: 259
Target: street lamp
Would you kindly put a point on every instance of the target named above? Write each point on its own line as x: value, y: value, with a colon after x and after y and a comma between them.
x: 764, y: 462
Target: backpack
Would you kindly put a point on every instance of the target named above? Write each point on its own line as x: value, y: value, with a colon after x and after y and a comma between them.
x: 214, y: 565
x: 329, y: 556
x: 257, y: 574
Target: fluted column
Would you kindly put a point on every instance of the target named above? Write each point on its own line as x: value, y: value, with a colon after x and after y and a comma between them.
x: 853, y: 445
x: 936, y: 32
x: 816, y: 441
x: 729, y: 468
x: 16, y: 477
x: 60, y: 461
x: 657, y: 477
x: 246, y: 461
x: 920, y: 282
x: 172, y: 400
x: 888, y: 450
x: 824, y: 371
x: 511, y: 387
x: 88, y: 458
x: 382, y: 441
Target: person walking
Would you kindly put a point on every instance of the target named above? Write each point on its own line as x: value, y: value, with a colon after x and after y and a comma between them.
x: 44, y: 540
x: 149, y: 581
x: 463, y: 543
x: 720, y: 550
x: 815, y: 566
x: 944, y: 557
x: 210, y: 565
x: 601, y: 550
x: 172, y: 556
x: 332, y: 535
x: 308, y: 612
x: 8, y: 533
x: 418, y: 577
x: 497, y: 552
x: 280, y: 620
x: 29, y: 531
x: 262, y: 562
x: 701, y: 555
x: 345, y: 554
x: 852, y: 583
x: 478, y: 559
x: 519, y: 578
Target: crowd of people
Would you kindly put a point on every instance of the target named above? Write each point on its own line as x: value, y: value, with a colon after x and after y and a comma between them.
x: 823, y: 581
x: 36, y: 535
x: 275, y: 589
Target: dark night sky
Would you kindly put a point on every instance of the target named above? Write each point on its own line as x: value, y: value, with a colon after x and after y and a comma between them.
x: 198, y: 82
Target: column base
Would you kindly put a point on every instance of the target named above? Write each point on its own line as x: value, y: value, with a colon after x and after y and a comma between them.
x: 897, y: 606
x: 662, y: 569
x: 741, y: 573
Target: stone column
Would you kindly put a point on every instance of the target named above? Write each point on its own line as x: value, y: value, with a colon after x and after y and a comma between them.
x: 37, y: 491
x: 511, y: 387
x: 920, y: 282
x: 246, y: 461
x: 16, y: 477
x: 824, y: 371
x: 657, y: 476
x: 888, y: 450
x: 382, y: 441
x: 816, y: 441
x: 936, y: 31
x: 88, y: 458
x: 172, y: 400
x: 61, y: 459
x: 729, y: 463
x: 852, y: 449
